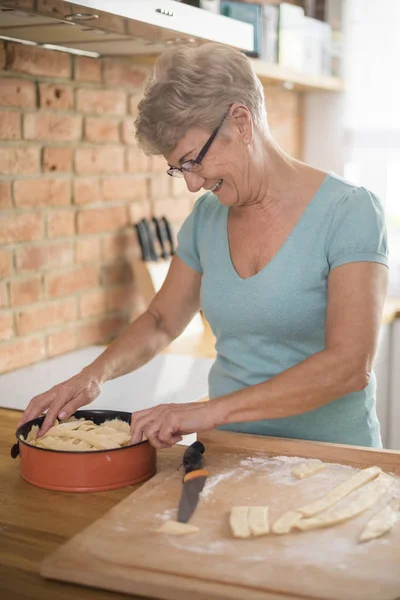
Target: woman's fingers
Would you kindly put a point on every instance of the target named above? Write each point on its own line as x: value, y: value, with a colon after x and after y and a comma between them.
x: 37, y: 406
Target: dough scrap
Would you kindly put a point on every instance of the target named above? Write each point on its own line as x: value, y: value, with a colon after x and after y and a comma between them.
x: 306, y: 469
x: 248, y: 521
x: 82, y: 435
x: 258, y: 520
x: 367, y: 498
x: 177, y: 528
x: 286, y: 522
x: 339, y: 492
x: 238, y: 521
x: 380, y: 524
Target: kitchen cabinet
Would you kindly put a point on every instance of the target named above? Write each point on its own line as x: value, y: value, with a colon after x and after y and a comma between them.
x: 382, y: 368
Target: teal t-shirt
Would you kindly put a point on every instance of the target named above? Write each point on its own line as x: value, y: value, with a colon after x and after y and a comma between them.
x: 275, y: 319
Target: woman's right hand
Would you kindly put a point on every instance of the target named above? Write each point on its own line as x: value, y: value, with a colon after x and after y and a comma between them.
x: 62, y: 400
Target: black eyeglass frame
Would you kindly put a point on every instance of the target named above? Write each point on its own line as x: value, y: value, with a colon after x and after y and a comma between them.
x: 179, y: 171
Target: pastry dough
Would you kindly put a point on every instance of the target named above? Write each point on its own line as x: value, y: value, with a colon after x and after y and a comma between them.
x: 238, y: 521
x: 247, y: 521
x: 258, y: 520
x: 286, y: 522
x: 380, y: 523
x: 340, y: 492
x: 177, y: 528
x: 82, y: 435
x: 306, y: 469
x: 366, y: 499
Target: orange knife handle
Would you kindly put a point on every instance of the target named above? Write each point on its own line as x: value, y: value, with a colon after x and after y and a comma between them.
x: 194, y: 474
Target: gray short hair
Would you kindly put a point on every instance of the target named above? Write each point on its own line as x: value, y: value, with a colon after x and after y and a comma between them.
x: 195, y: 86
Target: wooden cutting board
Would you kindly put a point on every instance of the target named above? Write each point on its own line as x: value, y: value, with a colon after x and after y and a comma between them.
x: 122, y: 551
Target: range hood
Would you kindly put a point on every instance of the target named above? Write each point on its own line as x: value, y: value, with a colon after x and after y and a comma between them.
x: 117, y: 27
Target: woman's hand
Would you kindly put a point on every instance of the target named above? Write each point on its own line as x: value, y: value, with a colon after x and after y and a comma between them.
x: 62, y: 400
x: 165, y: 424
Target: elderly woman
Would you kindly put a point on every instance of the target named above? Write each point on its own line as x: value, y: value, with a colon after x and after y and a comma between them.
x: 288, y: 264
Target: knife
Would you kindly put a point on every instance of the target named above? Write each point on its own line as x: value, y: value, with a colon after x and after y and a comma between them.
x: 150, y: 239
x: 170, y: 237
x: 143, y: 242
x: 193, y: 481
x: 162, y: 236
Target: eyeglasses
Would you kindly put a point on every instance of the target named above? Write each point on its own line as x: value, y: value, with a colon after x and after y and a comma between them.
x: 191, y: 166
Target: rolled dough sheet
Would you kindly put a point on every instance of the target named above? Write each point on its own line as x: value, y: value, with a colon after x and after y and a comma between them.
x: 380, y: 524
x: 176, y: 528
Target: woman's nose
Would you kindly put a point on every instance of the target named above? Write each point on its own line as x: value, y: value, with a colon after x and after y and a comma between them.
x: 194, y: 181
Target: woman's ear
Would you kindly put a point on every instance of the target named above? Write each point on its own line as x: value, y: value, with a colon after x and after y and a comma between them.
x: 243, y: 122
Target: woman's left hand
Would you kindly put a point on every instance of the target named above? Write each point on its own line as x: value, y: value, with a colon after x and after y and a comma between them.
x: 164, y: 425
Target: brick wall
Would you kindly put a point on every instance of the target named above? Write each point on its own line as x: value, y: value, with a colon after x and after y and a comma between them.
x: 72, y: 183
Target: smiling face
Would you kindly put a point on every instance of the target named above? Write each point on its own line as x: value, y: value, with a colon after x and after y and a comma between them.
x: 227, y: 168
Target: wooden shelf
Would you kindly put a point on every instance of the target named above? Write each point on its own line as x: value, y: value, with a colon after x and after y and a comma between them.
x: 271, y: 73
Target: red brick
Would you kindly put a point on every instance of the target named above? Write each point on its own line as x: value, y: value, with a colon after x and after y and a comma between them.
x: 102, y: 219
x: 101, y: 102
x: 42, y: 192
x: 160, y: 187
x: 139, y: 210
x: 46, y: 316
x: 63, y: 341
x: 101, y: 129
x: 93, y: 304
x: 116, y: 273
x: 159, y: 164
x: 100, y: 332
x: 20, y: 353
x: 121, y: 298
x: 26, y: 291
x: 57, y: 97
x: 123, y: 73
x: 57, y: 159
x: 99, y: 160
x: 17, y: 92
x: 2, y: 55
x: 6, y: 326
x: 86, y: 190
x: 5, y: 194
x: 3, y: 295
x: 128, y: 132
x: 45, y: 256
x: 87, y: 69
x: 10, y: 125
x: 87, y: 250
x: 72, y: 281
x: 5, y: 263
x: 137, y: 161
x: 60, y: 223
x: 26, y: 227
x: 52, y: 126
x: 175, y: 210
x: 124, y: 188
x: 19, y: 160
x: 38, y: 61
x: 120, y: 245
x: 133, y: 103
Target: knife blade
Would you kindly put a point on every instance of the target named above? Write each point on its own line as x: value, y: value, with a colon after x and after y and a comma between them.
x: 162, y: 236
x: 150, y: 239
x: 194, y: 480
x: 170, y: 237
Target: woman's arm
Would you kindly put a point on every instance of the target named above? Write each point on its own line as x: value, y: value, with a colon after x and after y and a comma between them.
x: 167, y: 316
x: 356, y: 294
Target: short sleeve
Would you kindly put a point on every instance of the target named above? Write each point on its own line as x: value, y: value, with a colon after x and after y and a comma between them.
x: 358, y: 230
x: 187, y: 249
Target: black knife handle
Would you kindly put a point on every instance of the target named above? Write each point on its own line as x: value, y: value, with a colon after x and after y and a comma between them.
x: 150, y: 239
x: 143, y: 242
x: 193, y: 457
x: 162, y: 236
x: 170, y: 237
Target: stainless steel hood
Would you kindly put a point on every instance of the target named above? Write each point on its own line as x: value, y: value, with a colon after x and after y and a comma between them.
x: 117, y: 27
